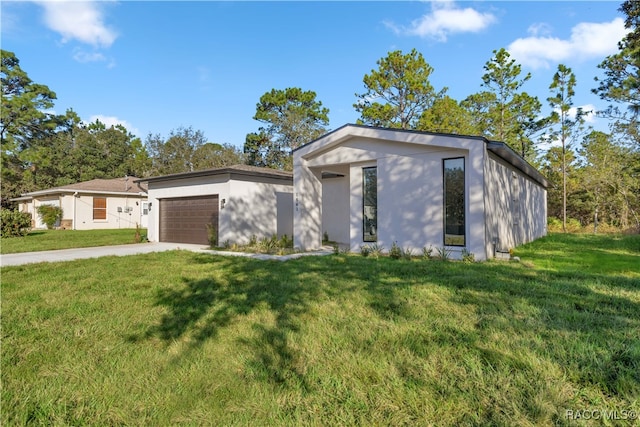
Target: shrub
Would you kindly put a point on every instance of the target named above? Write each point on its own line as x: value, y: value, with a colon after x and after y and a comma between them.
x: 376, y: 250
x: 395, y: 252
x: 365, y: 250
x: 50, y: 215
x: 286, y: 242
x: 467, y: 256
x: 427, y: 253
x: 407, y: 253
x: 444, y: 254
x: 212, y: 233
x: 554, y: 225
x: 14, y: 223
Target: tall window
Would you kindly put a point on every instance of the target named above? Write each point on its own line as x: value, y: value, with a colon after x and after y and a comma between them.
x: 454, y: 207
x: 370, y: 204
x: 99, y: 208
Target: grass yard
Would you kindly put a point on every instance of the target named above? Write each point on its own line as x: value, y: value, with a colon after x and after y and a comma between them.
x: 47, y: 240
x: 179, y: 338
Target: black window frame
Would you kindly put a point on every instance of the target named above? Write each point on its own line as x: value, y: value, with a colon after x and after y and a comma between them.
x: 447, y: 242
x: 367, y: 237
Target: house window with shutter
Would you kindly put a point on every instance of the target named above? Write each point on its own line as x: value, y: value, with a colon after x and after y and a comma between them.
x: 99, y: 208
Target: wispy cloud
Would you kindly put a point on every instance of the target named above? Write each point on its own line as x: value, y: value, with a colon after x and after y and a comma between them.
x: 109, y: 121
x: 446, y: 18
x: 588, y: 40
x: 78, y: 20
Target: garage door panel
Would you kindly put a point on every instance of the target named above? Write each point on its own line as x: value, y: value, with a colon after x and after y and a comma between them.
x: 185, y: 219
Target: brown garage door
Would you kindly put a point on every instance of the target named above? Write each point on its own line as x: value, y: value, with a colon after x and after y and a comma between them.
x: 185, y: 219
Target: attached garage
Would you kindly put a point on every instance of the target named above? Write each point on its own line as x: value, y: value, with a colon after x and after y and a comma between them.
x: 187, y: 219
x: 242, y: 201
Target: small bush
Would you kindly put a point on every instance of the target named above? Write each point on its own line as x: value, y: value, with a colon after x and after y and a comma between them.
x: 365, y: 250
x: 50, y: 215
x: 286, y: 242
x: 407, y: 253
x: 395, y: 252
x: 427, y: 253
x: 212, y: 233
x: 443, y: 254
x: 376, y: 250
x: 554, y: 225
x: 467, y: 256
x: 138, y: 236
x: 15, y: 223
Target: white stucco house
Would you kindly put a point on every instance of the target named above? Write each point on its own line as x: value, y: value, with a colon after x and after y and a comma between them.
x: 239, y: 201
x: 92, y: 205
x: 363, y: 185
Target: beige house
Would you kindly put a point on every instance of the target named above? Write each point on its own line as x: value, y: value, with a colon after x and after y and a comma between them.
x: 237, y: 201
x: 90, y: 205
x: 363, y: 185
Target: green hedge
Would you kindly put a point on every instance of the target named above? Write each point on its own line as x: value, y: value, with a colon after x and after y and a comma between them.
x: 14, y: 223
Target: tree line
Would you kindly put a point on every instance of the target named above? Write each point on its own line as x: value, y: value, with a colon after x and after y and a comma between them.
x: 595, y: 175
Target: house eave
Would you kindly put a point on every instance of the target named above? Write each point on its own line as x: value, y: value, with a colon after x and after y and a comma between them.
x: 66, y: 191
x: 507, y: 154
x: 233, y: 173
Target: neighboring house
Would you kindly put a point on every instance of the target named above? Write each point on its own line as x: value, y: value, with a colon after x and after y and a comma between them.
x: 90, y: 205
x: 234, y: 203
x: 362, y: 185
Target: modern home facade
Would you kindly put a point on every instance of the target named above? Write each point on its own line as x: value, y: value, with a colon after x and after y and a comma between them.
x: 359, y: 185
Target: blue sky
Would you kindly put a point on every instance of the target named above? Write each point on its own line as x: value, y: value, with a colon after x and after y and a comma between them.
x: 156, y: 66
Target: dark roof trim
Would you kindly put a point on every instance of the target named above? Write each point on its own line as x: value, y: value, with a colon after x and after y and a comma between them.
x: 233, y: 171
x: 419, y: 132
x: 506, y: 153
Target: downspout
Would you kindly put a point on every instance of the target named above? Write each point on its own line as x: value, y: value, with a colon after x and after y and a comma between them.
x: 75, y: 196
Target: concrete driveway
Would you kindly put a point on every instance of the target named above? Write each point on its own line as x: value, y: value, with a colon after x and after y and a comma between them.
x: 134, y: 249
x: 83, y: 253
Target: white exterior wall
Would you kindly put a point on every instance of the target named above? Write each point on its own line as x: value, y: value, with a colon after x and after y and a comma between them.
x: 410, y: 187
x: 516, y: 207
x: 83, y: 216
x: 260, y: 209
x: 250, y: 208
x: 307, y: 201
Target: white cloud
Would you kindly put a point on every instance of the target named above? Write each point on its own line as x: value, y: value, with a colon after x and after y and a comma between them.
x: 78, y: 20
x: 109, y: 121
x: 445, y: 19
x: 588, y: 40
x: 588, y: 110
x: 83, y: 56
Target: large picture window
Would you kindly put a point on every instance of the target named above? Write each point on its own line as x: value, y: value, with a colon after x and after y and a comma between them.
x: 99, y: 208
x: 370, y: 204
x: 454, y: 206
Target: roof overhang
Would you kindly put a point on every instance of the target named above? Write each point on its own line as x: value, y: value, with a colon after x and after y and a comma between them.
x: 505, y: 152
x: 233, y: 173
x: 63, y: 191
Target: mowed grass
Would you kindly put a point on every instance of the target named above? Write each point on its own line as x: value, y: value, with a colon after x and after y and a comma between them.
x: 48, y: 240
x: 179, y: 338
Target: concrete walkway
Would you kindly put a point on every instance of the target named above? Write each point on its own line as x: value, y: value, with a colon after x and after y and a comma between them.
x: 83, y: 253
x: 134, y: 249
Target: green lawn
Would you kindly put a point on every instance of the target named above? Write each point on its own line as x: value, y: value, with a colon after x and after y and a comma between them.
x: 47, y: 240
x: 179, y: 338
